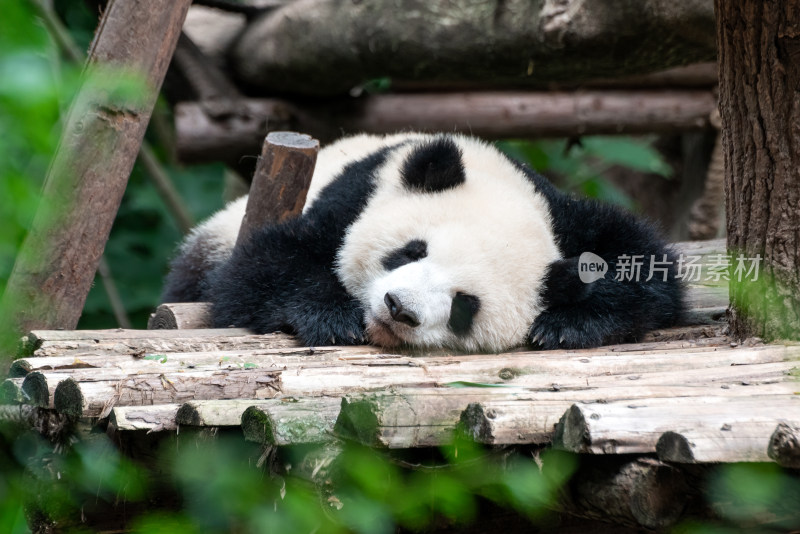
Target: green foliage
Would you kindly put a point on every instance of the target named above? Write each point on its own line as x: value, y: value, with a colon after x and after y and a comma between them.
x: 143, y: 239
x: 581, y: 166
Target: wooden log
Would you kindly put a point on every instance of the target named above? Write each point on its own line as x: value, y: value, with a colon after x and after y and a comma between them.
x: 493, y: 115
x: 696, y: 75
x: 37, y: 339
x: 98, y: 367
x: 281, y: 181
x: 341, y: 370
x: 54, y: 427
x: 37, y: 391
x: 635, y: 426
x: 407, y: 418
x: 138, y: 342
x: 747, y: 441
x: 87, y: 177
x: 315, y: 47
x: 643, y: 492
x: 181, y: 316
x: 291, y: 421
x: 96, y: 399
x: 547, y: 369
x: 154, y: 418
x: 11, y: 391
x: 336, y: 371
x: 531, y: 418
x: 784, y: 444
x: 213, y: 413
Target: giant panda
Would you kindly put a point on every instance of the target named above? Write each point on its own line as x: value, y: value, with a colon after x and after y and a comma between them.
x: 431, y: 241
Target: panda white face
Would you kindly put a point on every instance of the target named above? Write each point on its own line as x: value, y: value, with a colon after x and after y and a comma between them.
x: 454, y: 258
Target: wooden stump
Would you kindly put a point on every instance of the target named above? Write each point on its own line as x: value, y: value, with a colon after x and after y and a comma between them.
x: 281, y: 181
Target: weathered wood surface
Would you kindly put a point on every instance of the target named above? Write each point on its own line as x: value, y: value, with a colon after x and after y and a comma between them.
x: 96, y: 399
x: 136, y: 343
x: 532, y: 416
x: 635, y: 426
x: 492, y: 115
x: 87, y: 177
x: 404, y: 420
x: 337, y: 371
x: 289, y: 421
x: 745, y: 441
x: 281, y: 181
x: 153, y: 418
x: 180, y: 316
x: 784, y: 444
x: 316, y: 47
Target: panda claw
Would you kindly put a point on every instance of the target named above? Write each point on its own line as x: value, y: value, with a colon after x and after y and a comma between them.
x: 561, y: 340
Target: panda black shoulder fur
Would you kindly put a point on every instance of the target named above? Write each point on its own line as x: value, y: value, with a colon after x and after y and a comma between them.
x: 430, y: 241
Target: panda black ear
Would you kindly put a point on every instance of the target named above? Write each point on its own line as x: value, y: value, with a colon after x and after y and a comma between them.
x: 434, y: 166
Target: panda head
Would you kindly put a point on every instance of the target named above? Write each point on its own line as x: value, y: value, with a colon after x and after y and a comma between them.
x: 450, y: 250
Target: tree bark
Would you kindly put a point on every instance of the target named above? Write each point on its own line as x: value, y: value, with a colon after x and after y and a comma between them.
x: 281, y: 181
x: 89, y: 172
x: 328, y: 47
x: 759, y: 46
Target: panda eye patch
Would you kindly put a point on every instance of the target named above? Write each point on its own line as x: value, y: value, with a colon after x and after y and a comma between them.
x: 462, y: 312
x: 414, y: 250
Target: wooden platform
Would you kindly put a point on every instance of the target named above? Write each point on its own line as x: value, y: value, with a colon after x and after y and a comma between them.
x: 693, y: 400
x: 645, y: 416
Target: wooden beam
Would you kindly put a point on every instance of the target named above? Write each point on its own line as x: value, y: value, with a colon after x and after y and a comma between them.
x: 89, y: 172
x: 494, y: 115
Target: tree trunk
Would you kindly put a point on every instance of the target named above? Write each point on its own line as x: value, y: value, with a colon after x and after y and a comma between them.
x: 87, y: 177
x: 759, y: 45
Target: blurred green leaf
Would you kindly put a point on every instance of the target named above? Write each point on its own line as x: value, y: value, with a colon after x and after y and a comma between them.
x: 581, y: 166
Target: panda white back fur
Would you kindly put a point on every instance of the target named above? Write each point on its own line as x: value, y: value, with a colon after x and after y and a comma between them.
x: 428, y: 241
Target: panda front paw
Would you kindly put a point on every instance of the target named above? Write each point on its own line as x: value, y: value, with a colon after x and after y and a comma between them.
x: 342, y: 325
x: 560, y: 330
x: 322, y: 336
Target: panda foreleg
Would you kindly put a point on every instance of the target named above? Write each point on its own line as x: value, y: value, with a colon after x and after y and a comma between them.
x: 282, y: 278
x: 607, y: 310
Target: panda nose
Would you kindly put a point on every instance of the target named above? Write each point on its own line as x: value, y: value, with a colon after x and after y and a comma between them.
x: 398, y: 313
